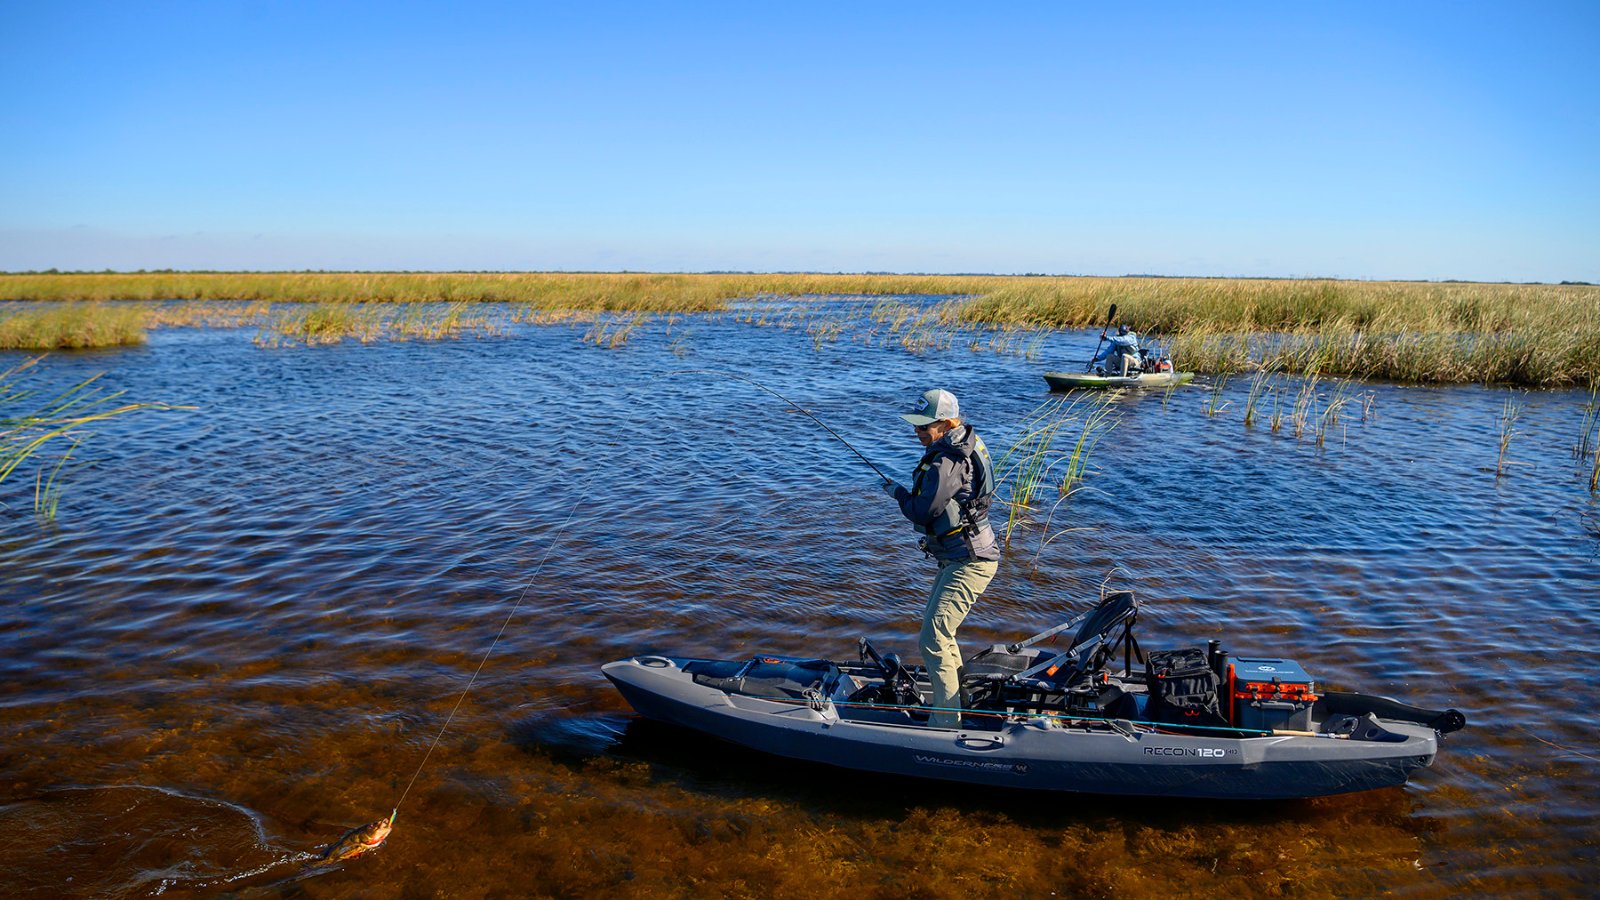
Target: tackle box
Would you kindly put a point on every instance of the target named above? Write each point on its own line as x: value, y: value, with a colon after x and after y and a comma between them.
x: 1270, y: 694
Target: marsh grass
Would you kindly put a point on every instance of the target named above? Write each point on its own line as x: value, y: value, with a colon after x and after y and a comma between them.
x: 47, y: 491
x: 614, y: 331
x: 30, y: 423
x: 1007, y: 341
x: 1438, y: 333
x: 1588, y: 443
x: 1510, y: 411
x: 1214, y: 401
x: 70, y: 326
x: 1332, y: 410
x: 1401, y: 331
x: 1167, y: 392
x: 1586, y: 429
x: 915, y: 327
x: 1096, y: 422
x: 532, y: 315
x: 1036, y: 465
x: 600, y: 292
x: 1025, y: 464
x: 204, y: 313
x: 823, y: 331
x: 429, y: 322
x: 1260, y: 386
x: 1305, y: 404
x: 314, y: 324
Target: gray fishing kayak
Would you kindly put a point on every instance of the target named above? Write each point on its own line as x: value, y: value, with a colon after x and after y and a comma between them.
x: 1066, y: 381
x: 1188, y: 723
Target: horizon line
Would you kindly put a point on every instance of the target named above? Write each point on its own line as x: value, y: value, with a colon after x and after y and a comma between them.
x: 53, y: 271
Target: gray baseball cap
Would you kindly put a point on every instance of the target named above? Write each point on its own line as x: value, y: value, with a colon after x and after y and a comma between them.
x: 934, y: 406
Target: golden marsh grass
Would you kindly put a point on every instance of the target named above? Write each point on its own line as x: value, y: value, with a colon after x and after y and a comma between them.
x: 70, y: 326
x: 1529, y: 334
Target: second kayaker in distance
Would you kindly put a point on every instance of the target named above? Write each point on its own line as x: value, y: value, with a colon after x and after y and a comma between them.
x: 1120, y: 354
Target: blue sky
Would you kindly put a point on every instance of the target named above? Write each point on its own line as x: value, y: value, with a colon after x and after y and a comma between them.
x: 1355, y: 140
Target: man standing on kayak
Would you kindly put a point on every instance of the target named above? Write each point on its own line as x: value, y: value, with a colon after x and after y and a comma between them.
x: 948, y: 502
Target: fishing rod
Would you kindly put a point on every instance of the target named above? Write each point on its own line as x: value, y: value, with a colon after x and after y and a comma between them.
x: 798, y: 408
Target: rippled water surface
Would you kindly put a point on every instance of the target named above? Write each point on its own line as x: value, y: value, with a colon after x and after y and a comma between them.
x: 250, y: 620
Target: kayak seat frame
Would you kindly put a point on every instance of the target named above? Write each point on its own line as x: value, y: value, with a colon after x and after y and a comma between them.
x: 1026, y: 678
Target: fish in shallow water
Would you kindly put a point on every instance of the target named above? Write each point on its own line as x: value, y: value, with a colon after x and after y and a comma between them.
x: 357, y: 841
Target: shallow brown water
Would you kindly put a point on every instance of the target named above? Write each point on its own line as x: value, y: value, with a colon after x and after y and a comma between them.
x: 250, y: 621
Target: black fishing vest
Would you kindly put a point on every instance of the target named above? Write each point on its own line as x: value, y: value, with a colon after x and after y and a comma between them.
x: 968, y: 511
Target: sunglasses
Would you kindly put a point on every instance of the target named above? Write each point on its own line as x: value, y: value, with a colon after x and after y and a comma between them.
x: 924, y: 428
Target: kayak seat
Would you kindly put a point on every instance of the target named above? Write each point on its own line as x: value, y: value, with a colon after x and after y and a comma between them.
x: 1107, y: 628
x: 1118, y: 608
x: 1022, y: 673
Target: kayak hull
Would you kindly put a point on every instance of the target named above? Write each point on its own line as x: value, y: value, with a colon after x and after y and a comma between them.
x: 1026, y: 753
x: 1067, y: 381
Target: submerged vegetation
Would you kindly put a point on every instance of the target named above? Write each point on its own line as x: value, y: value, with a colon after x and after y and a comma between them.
x: 1528, y: 334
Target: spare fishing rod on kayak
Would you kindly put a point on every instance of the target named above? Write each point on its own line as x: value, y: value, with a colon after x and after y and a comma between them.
x: 797, y: 407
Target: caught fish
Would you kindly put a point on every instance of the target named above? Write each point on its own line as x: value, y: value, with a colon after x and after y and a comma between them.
x: 357, y: 841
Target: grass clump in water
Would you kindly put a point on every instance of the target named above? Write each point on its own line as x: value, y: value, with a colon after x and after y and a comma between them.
x: 1510, y: 412
x: 312, y: 324
x: 1215, y: 403
x: 1331, y: 410
x: 1260, y: 385
x: 612, y: 332
x: 71, y: 326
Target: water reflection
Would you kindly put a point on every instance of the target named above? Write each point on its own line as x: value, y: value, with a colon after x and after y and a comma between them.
x: 274, y: 602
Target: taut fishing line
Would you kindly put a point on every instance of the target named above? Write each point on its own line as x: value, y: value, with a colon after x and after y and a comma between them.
x: 503, y: 626
x: 798, y: 408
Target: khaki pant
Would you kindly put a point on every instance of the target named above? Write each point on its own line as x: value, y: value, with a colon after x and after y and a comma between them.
x: 954, y: 591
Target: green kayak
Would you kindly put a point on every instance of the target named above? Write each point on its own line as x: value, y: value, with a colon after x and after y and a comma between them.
x: 1066, y: 381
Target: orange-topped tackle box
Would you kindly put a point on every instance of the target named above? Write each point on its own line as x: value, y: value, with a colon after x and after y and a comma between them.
x: 1270, y: 694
